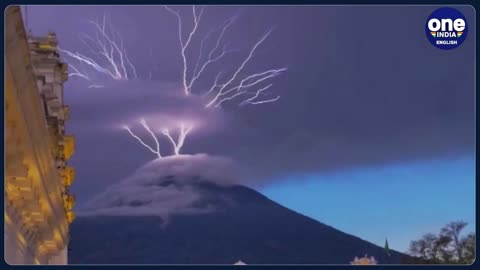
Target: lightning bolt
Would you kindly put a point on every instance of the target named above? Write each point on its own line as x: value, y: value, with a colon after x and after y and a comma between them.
x: 253, y: 100
x: 177, y: 146
x: 76, y: 72
x: 106, y: 53
x: 247, y: 89
x: 155, y: 150
x: 107, y: 56
x: 184, y: 44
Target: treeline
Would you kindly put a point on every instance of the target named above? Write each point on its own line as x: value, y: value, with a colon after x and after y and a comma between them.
x: 450, y: 246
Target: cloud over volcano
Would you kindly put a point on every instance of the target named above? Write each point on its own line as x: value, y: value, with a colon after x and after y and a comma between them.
x: 165, y: 186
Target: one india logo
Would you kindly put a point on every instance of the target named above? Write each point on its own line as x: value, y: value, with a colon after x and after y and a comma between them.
x: 458, y: 34
x: 446, y: 28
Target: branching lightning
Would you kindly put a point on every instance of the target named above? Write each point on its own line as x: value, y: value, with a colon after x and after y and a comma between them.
x: 106, y: 54
x: 176, y: 145
x: 155, y: 150
x: 77, y: 73
x: 246, y: 88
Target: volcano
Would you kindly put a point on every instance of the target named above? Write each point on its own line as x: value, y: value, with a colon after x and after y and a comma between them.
x: 172, y: 212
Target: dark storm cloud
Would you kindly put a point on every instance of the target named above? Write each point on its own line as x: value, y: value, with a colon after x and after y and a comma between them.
x: 120, y: 103
x: 364, y: 87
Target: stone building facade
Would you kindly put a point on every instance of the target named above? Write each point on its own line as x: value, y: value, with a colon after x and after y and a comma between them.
x: 365, y: 260
x: 38, y: 205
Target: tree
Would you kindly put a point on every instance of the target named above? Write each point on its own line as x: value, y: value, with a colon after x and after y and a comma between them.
x: 448, y: 247
x: 468, y: 245
x: 453, y: 230
x: 426, y: 247
x: 444, y: 252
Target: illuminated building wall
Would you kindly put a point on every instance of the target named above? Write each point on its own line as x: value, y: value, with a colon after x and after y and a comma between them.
x: 38, y: 206
x: 364, y: 260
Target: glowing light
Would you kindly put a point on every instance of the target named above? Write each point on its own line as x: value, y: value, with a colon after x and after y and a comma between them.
x: 107, y: 54
x: 184, y: 130
x: 155, y: 151
x: 177, y: 146
x: 248, y: 90
x: 184, y: 44
x: 95, y: 86
x: 77, y: 73
x: 7, y: 219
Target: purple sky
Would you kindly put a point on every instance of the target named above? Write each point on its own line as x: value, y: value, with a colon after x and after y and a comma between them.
x: 358, y: 91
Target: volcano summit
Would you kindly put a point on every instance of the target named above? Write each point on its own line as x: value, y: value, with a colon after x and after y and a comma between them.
x: 187, y: 210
